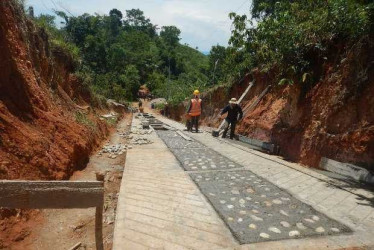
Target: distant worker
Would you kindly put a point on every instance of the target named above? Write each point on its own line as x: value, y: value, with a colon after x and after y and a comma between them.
x: 140, y: 103
x: 194, y: 110
x: 234, y: 114
x: 166, y: 109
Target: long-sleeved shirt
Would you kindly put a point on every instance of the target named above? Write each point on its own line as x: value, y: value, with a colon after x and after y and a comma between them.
x: 233, y: 112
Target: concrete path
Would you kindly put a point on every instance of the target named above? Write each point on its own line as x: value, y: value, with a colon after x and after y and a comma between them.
x: 161, y: 208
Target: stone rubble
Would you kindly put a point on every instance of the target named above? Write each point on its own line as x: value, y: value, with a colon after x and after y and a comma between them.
x: 114, y: 150
x: 140, y: 141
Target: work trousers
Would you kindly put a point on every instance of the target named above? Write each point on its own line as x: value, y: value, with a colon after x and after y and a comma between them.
x: 232, y: 130
x: 195, y: 122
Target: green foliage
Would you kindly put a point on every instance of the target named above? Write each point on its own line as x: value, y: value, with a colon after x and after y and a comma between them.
x: 287, y: 33
x: 82, y: 118
x: 58, y: 37
x: 112, y: 121
x: 160, y: 106
x: 69, y: 48
x: 117, y: 53
x: 170, y: 35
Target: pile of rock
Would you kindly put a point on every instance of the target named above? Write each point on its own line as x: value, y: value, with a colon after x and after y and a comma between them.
x: 114, y: 150
x: 140, y: 131
x: 123, y: 134
x: 141, y: 141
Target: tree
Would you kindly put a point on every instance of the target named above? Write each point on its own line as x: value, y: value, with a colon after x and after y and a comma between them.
x: 135, y: 20
x: 115, y: 22
x: 170, y: 35
x: 62, y: 15
x: 130, y: 81
x: 120, y: 52
x: 217, y: 58
x: 46, y: 21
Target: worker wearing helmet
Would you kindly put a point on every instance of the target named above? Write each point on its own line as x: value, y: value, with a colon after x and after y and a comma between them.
x: 234, y: 113
x: 194, y: 110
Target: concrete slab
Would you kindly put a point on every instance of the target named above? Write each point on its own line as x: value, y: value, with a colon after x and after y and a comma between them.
x: 160, y: 207
x: 193, y: 159
x: 175, y: 141
x: 256, y: 210
x: 349, y: 204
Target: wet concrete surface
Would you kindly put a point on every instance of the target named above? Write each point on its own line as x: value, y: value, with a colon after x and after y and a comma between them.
x: 193, y: 155
x: 254, y: 209
x: 174, y: 141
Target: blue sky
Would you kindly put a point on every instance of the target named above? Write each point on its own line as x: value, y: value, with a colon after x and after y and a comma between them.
x: 203, y: 22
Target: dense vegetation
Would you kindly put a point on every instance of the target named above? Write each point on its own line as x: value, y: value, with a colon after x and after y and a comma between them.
x: 116, y: 54
x: 290, y: 36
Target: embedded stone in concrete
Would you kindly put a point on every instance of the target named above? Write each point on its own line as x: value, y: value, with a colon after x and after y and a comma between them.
x: 294, y: 233
x: 203, y: 159
x: 248, y: 210
x: 174, y: 140
x: 300, y: 225
x: 264, y: 235
x: 252, y: 226
x: 285, y: 224
x: 274, y: 230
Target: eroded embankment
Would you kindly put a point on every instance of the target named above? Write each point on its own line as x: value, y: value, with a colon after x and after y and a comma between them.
x: 332, y: 116
x: 48, y: 125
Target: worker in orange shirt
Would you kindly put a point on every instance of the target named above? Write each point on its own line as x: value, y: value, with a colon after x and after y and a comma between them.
x: 195, y: 110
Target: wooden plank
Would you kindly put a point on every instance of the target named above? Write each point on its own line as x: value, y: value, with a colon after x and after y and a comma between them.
x: 51, y: 194
x: 184, y: 136
x: 99, y: 217
x: 253, y: 105
x: 247, y: 109
x: 245, y: 92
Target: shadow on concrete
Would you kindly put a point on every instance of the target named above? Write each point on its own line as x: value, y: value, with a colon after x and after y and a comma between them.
x: 348, y: 184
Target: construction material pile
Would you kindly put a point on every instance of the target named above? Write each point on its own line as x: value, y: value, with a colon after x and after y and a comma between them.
x: 140, y: 131
x: 114, y: 150
x: 141, y: 141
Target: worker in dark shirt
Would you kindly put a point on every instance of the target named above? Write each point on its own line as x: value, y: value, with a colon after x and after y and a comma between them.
x: 234, y: 114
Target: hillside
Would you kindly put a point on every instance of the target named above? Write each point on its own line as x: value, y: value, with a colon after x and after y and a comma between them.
x: 317, y: 58
x: 49, y: 123
x: 332, y: 118
x: 44, y: 132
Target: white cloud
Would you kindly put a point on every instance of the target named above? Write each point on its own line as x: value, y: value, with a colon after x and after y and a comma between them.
x: 203, y: 22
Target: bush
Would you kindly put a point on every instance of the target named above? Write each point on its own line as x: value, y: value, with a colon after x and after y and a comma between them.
x: 69, y: 49
x: 84, y: 120
x: 160, y: 106
x: 286, y: 31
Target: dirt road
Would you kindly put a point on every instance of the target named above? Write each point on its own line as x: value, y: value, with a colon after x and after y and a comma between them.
x: 62, y: 229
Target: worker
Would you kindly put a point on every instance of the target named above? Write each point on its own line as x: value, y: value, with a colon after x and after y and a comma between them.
x: 166, y: 109
x: 194, y: 110
x: 234, y: 114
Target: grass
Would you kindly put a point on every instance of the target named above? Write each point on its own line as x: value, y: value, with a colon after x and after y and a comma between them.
x: 82, y: 118
x: 111, y: 121
x: 160, y: 106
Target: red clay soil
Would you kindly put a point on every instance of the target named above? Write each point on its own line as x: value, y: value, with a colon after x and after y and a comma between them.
x: 334, y: 117
x: 43, y: 132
